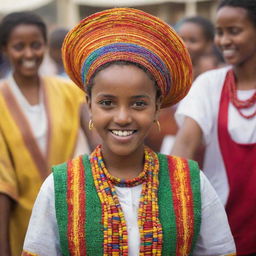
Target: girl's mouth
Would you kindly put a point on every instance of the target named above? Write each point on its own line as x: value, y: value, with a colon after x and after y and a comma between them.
x: 123, y: 133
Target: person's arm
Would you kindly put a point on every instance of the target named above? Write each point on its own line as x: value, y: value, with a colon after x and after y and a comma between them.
x: 188, y: 139
x: 5, y: 206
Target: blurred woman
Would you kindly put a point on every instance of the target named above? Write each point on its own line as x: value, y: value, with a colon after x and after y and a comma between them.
x: 198, y: 35
x: 39, y: 116
x: 220, y: 111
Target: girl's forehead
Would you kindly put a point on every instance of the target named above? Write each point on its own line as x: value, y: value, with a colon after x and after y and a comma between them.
x: 23, y: 30
x: 232, y: 14
x: 126, y: 79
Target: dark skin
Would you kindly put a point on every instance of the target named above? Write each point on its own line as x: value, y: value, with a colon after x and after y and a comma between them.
x: 123, y: 101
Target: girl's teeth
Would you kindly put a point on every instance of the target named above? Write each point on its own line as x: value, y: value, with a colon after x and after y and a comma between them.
x: 228, y: 53
x: 122, y: 133
x: 29, y: 63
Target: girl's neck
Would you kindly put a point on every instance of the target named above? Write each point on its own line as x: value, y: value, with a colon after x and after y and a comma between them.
x: 124, y: 167
x: 29, y: 86
x: 245, y: 76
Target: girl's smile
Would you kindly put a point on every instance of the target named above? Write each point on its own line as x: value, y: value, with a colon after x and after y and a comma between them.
x: 236, y: 36
x: 25, y: 49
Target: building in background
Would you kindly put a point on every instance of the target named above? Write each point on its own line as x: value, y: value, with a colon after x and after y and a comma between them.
x: 68, y: 12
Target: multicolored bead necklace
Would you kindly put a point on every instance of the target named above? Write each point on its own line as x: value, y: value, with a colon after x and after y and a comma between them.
x: 115, y: 230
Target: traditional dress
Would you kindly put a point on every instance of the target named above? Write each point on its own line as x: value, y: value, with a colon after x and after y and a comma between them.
x: 230, y: 139
x: 32, y: 138
x: 188, y: 212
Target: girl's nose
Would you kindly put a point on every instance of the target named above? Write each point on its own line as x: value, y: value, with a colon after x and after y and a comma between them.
x: 28, y: 52
x: 123, y: 116
x: 225, y: 40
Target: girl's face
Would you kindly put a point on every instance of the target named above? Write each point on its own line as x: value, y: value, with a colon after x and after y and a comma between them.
x: 25, y: 49
x: 194, y: 39
x: 123, y: 108
x: 235, y: 35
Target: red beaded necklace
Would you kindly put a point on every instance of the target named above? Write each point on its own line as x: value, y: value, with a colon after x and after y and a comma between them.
x: 115, y: 230
x: 240, y: 104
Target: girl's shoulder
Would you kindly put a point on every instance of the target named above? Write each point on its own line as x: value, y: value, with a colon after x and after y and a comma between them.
x: 177, y: 163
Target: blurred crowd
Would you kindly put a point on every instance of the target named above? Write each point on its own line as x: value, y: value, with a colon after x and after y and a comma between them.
x: 44, y: 119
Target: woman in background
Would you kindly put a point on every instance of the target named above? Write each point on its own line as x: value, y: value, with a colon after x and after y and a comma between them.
x: 39, y: 125
x: 198, y: 35
x: 220, y: 111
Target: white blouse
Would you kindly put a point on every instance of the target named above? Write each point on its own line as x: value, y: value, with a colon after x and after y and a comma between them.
x: 215, y: 238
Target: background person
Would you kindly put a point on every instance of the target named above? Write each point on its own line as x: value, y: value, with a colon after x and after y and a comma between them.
x: 198, y: 35
x: 220, y: 112
x: 56, y: 39
x: 39, y: 125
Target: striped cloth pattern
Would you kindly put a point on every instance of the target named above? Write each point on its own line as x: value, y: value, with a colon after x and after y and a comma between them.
x: 125, y: 34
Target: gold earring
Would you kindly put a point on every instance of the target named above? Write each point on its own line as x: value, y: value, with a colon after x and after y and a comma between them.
x: 158, y: 125
x: 90, y: 125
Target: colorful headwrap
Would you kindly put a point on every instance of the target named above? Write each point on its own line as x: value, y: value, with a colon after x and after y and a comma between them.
x: 125, y: 34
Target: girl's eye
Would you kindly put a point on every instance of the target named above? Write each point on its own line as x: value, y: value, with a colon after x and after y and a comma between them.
x: 18, y: 47
x: 106, y: 103
x: 139, y: 104
x: 235, y: 30
x: 36, y: 45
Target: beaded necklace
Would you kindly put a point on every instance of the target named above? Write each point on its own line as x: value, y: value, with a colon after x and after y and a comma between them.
x: 115, y: 230
x: 240, y: 104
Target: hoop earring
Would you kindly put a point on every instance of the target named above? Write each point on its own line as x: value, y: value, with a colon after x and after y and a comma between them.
x: 90, y: 125
x: 158, y: 125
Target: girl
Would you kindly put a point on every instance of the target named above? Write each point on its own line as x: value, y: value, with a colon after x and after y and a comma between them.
x: 124, y: 199
x: 39, y: 116
x: 220, y: 111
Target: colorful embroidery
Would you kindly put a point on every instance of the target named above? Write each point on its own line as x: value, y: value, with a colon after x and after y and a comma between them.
x: 105, y: 232
x: 76, y: 207
x: 179, y: 200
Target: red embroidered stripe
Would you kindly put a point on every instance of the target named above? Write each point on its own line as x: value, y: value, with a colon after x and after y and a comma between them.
x: 183, y: 203
x: 76, y: 207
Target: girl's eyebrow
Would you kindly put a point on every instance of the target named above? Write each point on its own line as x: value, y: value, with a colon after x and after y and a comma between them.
x: 140, y: 96
x: 113, y: 96
x: 106, y: 95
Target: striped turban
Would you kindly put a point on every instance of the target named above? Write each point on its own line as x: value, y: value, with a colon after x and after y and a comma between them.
x: 125, y: 34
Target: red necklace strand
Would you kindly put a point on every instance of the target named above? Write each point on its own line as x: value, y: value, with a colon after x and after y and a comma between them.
x: 240, y: 104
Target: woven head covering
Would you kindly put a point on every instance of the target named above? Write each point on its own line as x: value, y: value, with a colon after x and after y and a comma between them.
x: 125, y: 34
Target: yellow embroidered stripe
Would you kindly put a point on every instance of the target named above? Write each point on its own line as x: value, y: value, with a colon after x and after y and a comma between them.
x: 183, y: 204
x: 76, y: 207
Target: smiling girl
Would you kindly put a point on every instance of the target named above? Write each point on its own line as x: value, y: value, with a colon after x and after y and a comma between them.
x: 39, y: 118
x: 123, y: 198
x: 220, y: 111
